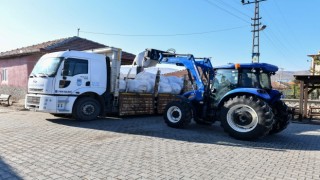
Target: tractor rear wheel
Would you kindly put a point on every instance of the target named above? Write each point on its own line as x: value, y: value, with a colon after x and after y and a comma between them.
x: 246, y: 117
x: 281, y: 117
x: 177, y: 114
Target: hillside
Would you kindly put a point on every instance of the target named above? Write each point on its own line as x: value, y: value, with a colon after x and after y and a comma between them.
x: 287, y: 76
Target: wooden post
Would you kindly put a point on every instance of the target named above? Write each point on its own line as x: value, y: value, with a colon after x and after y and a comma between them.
x: 305, y: 103
x: 305, y: 97
x: 156, y: 92
x: 301, y: 100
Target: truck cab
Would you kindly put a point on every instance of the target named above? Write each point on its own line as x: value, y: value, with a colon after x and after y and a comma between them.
x: 60, y: 80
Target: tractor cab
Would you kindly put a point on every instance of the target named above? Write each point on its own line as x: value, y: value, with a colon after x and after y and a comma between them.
x: 240, y: 76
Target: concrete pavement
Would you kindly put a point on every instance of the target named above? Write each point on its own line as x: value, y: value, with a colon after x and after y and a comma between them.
x: 41, y: 146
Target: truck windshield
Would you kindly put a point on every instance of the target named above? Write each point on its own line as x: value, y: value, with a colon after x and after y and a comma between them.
x: 46, y: 67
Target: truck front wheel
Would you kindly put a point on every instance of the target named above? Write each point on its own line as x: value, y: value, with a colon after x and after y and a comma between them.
x: 246, y: 117
x: 86, y: 109
x: 177, y: 114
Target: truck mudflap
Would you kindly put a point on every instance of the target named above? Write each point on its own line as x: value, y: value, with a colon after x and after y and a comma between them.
x: 143, y: 104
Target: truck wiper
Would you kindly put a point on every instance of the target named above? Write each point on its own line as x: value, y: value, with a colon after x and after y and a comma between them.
x: 33, y: 75
x: 43, y: 75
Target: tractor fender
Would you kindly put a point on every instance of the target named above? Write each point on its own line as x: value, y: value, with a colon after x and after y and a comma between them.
x: 260, y: 93
x: 183, y: 99
x: 275, y: 96
x: 194, y: 95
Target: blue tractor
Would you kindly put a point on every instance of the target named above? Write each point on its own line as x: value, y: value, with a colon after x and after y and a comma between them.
x: 240, y: 96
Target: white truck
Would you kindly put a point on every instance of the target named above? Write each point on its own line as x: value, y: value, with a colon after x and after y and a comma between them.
x: 86, y: 85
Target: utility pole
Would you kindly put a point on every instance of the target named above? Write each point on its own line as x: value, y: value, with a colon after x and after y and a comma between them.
x: 256, y: 29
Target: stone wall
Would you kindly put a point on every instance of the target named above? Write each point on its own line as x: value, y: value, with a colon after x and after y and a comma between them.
x: 295, y: 102
x: 16, y: 93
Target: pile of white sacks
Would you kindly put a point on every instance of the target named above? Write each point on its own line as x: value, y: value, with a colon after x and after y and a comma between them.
x: 144, y: 83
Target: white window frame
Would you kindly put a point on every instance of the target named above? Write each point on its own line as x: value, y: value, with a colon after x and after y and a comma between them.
x: 4, y: 74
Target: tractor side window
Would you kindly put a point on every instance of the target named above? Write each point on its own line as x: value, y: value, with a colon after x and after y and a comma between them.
x: 248, y: 78
x: 265, y: 81
x: 74, y: 67
x: 225, y: 77
x: 224, y: 81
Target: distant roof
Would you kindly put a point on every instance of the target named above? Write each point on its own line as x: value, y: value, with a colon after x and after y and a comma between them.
x: 314, y: 55
x: 72, y: 43
x: 180, y: 73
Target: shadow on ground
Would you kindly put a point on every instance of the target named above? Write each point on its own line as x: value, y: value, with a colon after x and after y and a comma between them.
x: 295, y: 137
x: 6, y: 171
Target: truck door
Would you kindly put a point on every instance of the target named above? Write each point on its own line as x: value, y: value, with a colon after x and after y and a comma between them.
x: 74, y: 77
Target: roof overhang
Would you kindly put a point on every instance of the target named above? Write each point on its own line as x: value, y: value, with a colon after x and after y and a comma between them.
x: 6, y: 56
x: 314, y: 79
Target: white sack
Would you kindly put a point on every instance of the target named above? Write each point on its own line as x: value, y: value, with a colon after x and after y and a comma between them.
x: 175, y: 79
x: 164, y: 88
x: 139, y: 86
x: 176, y: 88
x: 122, y: 85
x: 164, y: 79
x: 145, y: 76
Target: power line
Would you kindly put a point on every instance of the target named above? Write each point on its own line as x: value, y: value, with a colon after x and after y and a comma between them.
x: 287, y: 46
x: 163, y: 35
x: 256, y: 29
x: 235, y: 9
x: 274, y: 44
x: 232, y: 14
x: 286, y: 23
x: 279, y: 37
x: 278, y: 48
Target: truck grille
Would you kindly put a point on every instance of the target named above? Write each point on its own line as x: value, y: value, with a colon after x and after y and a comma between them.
x: 35, y: 90
x: 33, y: 100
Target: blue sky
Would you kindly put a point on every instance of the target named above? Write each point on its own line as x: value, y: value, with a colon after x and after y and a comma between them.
x: 206, y: 28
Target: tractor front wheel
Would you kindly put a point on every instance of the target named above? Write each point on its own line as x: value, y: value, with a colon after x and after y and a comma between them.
x: 177, y: 114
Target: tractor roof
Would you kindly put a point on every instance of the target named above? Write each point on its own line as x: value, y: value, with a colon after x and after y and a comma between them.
x: 263, y: 66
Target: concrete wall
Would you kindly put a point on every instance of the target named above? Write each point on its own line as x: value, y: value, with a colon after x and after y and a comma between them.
x: 295, y: 102
x: 18, y: 69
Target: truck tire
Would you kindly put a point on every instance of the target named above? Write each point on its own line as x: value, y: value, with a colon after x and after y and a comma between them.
x: 86, y: 109
x: 246, y: 117
x: 281, y: 117
x: 177, y: 114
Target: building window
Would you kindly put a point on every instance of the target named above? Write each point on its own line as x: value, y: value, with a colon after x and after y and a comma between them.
x: 4, y: 76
